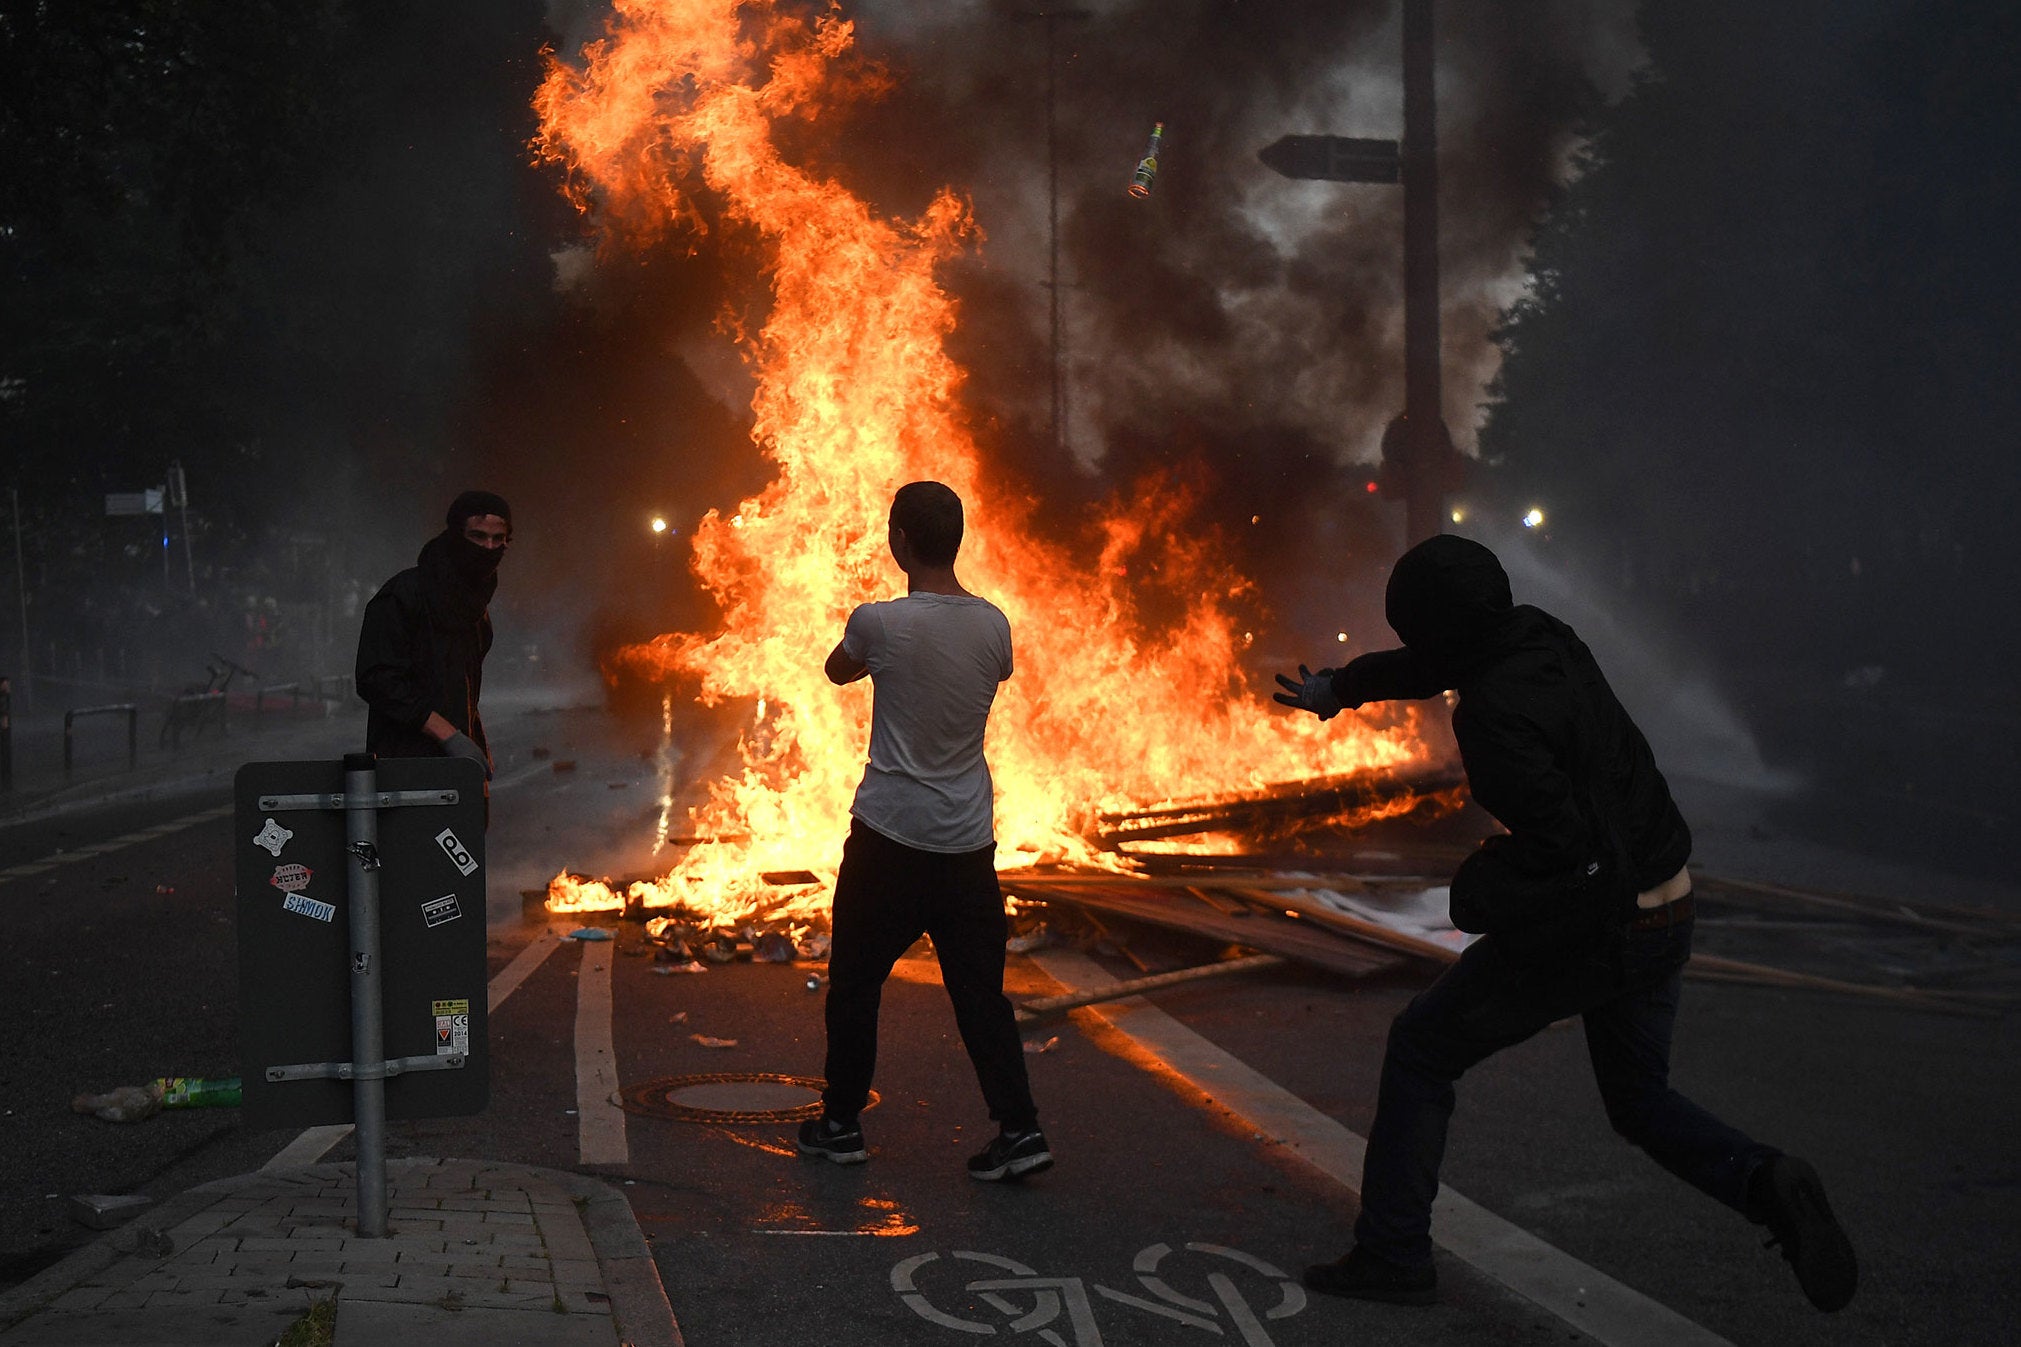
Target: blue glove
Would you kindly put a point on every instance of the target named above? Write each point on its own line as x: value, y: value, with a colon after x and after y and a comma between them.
x: 1310, y: 692
x: 461, y: 745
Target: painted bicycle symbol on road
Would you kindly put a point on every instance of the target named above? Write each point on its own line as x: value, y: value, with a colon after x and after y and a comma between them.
x: 1027, y: 1302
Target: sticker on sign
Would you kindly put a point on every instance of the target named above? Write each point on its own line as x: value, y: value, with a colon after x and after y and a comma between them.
x: 458, y: 855
x: 291, y: 878
x: 304, y: 906
x: 452, y: 1028
x: 273, y: 838
x: 438, y: 910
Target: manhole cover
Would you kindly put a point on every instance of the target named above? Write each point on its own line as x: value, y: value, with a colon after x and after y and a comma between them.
x: 728, y: 1097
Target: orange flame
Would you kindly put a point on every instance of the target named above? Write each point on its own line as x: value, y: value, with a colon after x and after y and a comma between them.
x: 856, y: 395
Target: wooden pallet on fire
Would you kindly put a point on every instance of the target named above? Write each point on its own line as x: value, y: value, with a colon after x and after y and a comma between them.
x: 1224, y: 919
x: 1295, y: 803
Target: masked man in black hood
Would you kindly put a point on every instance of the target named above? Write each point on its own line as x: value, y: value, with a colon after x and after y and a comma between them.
x: 1585, y: 909
x: 425, y: 634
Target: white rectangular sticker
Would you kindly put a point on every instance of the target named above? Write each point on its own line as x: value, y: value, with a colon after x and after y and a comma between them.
x: 455, y: 851
x: 302, y: 905
x: 438, y: 910
x: 452, y: 1028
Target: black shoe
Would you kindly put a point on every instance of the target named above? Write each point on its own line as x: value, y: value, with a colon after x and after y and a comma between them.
x: 1789, y: 1199
x: 1011, y: 1156
x: 1360, y: 1275
x: 824, y: 1137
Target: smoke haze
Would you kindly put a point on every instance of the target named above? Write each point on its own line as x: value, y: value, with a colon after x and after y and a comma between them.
x: 415, y: 309
x: 1236, y: 330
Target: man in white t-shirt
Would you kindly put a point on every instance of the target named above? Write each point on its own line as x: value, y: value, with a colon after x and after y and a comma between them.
x: 921, y: 854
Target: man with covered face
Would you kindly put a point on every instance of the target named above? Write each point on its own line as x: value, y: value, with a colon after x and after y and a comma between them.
x: 421, y: 647
x: 1584, y: 906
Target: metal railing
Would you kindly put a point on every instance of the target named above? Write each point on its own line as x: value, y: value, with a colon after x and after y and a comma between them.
x: 274, y: 690
x: 75, y: 714
x: 195, y: 712
x: 325, y: 690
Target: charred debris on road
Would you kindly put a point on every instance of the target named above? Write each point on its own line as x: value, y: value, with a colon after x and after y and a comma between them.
x: 1348, y: 876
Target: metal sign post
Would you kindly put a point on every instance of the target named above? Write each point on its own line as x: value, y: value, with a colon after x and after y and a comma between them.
x: 368, y: 1045
x: 382, y: 1015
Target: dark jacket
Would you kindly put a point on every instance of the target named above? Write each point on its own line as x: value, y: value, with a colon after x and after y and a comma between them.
x: 421, y: 648
x: 1548, y: 749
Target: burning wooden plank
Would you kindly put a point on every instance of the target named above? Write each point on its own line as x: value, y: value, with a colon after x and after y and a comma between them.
x: 1046, y: 1006
x: 1311, y: 908
x: 1175, y: 909
x: 1381, y: 793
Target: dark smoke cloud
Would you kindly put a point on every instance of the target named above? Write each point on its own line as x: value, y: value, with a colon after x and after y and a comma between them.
x: 1237, y: 316
x: 1236, y: 326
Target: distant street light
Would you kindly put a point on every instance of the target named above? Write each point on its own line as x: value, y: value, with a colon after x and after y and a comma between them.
x: 659, y: 524
x: 1534, y: 519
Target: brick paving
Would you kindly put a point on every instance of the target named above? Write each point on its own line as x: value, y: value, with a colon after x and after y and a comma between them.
x: 475, y: 1252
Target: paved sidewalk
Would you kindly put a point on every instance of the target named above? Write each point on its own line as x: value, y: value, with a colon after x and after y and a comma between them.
x: 477, y: 1254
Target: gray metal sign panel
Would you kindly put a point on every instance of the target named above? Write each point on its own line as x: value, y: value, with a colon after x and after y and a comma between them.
x: 1334, y: 158
x: 294, y: 939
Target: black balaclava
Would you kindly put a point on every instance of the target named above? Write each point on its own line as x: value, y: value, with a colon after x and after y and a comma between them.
x: 474, y: 563
x: 1445, y: 597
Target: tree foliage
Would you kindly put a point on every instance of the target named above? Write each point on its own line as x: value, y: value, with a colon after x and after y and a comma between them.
x: 258, y: 238
x: 1764, y: 367
x: 145, y: 144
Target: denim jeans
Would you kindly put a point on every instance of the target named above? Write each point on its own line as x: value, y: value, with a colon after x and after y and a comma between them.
x: 1628, y: 999
x: 886, y: 895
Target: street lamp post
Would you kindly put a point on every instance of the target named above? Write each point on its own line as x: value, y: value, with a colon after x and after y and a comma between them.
x: 1420, y: 463
x: 1051, y: 18
x: 1428, y: 447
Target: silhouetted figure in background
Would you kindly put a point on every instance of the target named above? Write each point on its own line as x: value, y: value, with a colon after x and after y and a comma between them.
x: 1585, y: 909
x: 422, y: 642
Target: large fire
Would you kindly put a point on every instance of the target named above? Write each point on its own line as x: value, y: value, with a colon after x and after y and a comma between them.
x: 856, y: 396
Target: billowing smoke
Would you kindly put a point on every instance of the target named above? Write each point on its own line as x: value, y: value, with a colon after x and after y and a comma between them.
x: 1234, y: 314
x: 1236, y: 329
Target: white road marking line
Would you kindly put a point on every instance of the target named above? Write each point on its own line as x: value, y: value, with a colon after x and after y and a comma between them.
x: 316, y: 1142
x: 514, y: 778
x: 600, y: 1130
x: 1606, y: 1310
x: 522, y: 966
x: 312, y: 1145
x: 44, y: 864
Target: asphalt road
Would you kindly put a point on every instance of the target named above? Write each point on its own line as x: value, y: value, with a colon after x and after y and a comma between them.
x: 1184, y: 1200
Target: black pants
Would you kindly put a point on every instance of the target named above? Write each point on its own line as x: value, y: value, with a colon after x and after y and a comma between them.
x: 886, y: 895
x: 1485, y: 1003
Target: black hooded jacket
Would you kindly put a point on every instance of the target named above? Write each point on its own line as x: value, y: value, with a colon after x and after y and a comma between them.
x: 421, y: 648
x: 1548, y: 749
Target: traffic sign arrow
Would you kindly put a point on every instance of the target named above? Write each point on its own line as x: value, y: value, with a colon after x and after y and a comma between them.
x: 1334, y: 158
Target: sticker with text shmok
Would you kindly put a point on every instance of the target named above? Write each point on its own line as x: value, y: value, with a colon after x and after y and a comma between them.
x: 458, y: 854
x: 291, y: 878
x: 273, y: 837
x: 304, y: 906
x: 438, y: 910
x: 452, y: 1028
